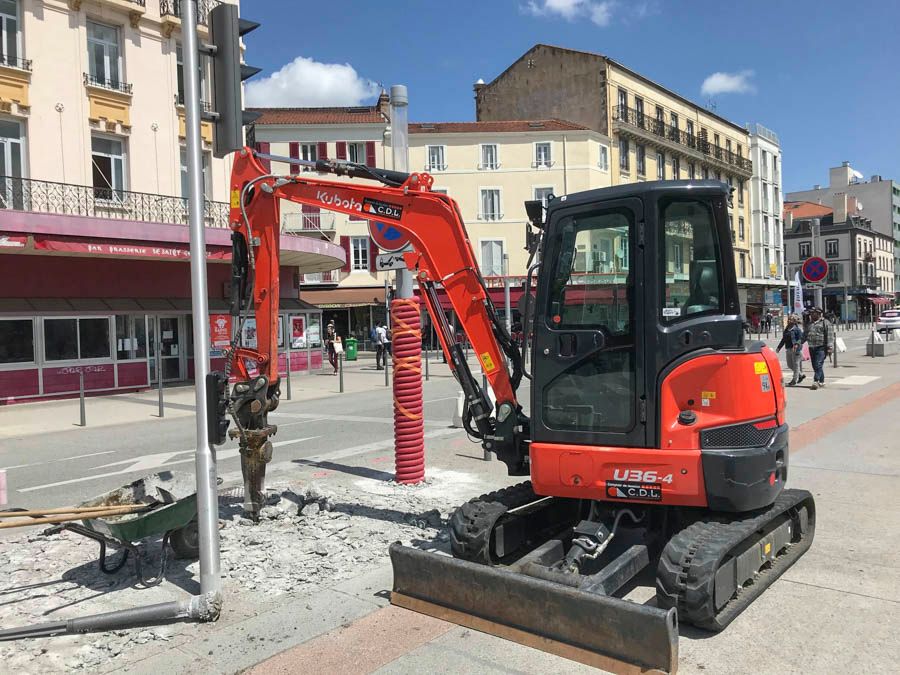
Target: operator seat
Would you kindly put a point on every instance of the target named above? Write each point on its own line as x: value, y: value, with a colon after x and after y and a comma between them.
x: 704, y: 295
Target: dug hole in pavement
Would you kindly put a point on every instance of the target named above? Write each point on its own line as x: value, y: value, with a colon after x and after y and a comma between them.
x: 309, y: 584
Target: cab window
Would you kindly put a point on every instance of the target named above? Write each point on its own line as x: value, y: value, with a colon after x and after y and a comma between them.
x: 690, y: 259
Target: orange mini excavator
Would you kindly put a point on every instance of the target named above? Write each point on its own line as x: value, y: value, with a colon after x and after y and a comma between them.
x: 655, y: 438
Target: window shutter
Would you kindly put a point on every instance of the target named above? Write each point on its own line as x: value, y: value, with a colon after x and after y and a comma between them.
x: 263, y: 147
x: 370, y: 153
x: 345, y: 244
x: 322, y: 151
x: 341, y: 147
x: 295, y: 154
x: 373, y: 251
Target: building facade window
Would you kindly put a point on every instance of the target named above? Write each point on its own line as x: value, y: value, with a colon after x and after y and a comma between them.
x: 832, y: 248
x: 356, y: 153
x: 435, y: 154
x: 490, y: 204
x: 9, y: 32
x: 743, y: 260
x: 492, y: 257
x: 16, y: 341
x: 623, y: 101
x: 108, y: 167
x: 660, y: 166
x: 179, y: 75
x: 805, y: 249
x: 623, y: 154
x: 742, y: 233
x: 309, y: 152
x: 660, y: 120
x: 764, y: 165
x: 70, y: 339
x: 490, y: 158
x: 689, y: 130
x: 740, y: 191
x: 835, y: 273
x: 640, y: 159
x: 603, y: 161
x: 542, y: 155
x: 705, y: 173
x: 12, y: 138
x: 639, y: 110
x: 104, y: 59
x: 207, y: 184
x: 676, y: 168
x: 543, y: 193
x: 359, y: 251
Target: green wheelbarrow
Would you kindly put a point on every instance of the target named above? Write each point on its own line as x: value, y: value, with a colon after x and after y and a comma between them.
x: 171, y: 501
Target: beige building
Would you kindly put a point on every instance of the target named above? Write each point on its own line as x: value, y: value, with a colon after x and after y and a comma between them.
x: 655, y: 133
x: 91, y: 93
x: 489, y: 168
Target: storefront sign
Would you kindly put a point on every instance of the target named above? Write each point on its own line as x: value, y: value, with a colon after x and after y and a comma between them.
x: 248, y: 338
x: 172, y: 251
x: 298, y: 336
x: 219, y: 331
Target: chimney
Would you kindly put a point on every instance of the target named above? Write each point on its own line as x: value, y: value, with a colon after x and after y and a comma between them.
x: 840, y: 176
x: 852, y: 206
x: 384, y: 104
x: 840, y: 208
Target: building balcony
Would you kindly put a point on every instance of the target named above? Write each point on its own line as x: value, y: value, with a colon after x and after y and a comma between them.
x: 41, y: 196
x: 205, y: 106
x: 321, y: 223
x: 15, y: 80
x: 15, y: 62
x: 315, y: 278
x: 110, y: 85
x: 170, y: 14
x: 644, y: 129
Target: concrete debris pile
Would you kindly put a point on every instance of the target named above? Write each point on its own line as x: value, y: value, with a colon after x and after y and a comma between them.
x: 307, y: 539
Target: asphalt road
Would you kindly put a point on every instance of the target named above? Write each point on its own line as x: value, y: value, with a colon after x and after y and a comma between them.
x: 64, y: 468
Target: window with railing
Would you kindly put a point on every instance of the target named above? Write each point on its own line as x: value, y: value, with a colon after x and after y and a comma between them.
x: 832, y: 248
x: 108, y: 168
x: 104, y: 57
x: 623, y: 154
x: 435, y: 158
x: 492, y: 257
x: 490, y: 158
x: 175, y: 7
x: 179, y: 76
x: 10, y: 38
x: 490, y: 204
x: 543, y: 194
x: 542, y: 155
x: 359, y: 252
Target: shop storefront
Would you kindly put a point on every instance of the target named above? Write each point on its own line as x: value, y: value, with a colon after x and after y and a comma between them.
x: 117, y: 311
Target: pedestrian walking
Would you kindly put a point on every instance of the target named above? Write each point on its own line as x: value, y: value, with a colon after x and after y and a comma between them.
x: 380, y: 346
x: 819, y: 337
x: 792, y: 341
x: 331, y: 337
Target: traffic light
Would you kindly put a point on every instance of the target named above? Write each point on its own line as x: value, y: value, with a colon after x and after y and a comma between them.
x: 216, y: 407
x: 225, y: 31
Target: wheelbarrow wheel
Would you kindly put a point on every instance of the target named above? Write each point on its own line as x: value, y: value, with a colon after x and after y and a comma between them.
x: 185, y: 541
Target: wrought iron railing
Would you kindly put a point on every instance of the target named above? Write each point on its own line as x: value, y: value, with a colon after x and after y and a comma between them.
x: 640, y: 120
x: 205, y: 106
x: 173, y: 8
x: 42, y: 196
x: 114, y: 85
x: 15, y: 62
x: 330, y: 277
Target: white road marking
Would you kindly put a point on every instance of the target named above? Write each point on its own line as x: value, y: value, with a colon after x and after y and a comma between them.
x: 61, y: 459
x: 156, y: 461
x: 293, y: 424
x: 856, y: 380
x: 387, y: 419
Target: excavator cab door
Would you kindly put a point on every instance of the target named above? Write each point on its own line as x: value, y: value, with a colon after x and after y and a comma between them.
x: 589, y: 380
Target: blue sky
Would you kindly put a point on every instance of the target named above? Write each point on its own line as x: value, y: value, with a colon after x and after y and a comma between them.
x: 824, y: 75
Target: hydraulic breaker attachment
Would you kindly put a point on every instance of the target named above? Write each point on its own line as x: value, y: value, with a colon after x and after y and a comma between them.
x: 582, y: 625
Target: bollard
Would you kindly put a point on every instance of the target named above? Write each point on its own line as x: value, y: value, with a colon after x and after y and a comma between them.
x: 341, y: 371
x: 288, y: 362
x: 2, y: 487
x: 387, y: 382
x: 81, y: 394
x: 426, y: 366
x: 162, y: 411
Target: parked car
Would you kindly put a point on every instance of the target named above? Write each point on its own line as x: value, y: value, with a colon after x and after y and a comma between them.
x: 888, y: 321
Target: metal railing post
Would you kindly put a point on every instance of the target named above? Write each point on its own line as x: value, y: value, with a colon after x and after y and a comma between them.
x: 341, y: 371
x: 159, y: 382
x: 288, y: 361
x: 81, y: 395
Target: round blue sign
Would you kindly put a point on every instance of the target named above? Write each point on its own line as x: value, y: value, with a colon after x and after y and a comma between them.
x: 387, y: 237
x: 814, y: 269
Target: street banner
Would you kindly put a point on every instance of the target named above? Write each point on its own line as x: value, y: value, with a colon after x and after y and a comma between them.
x: 798, y: 294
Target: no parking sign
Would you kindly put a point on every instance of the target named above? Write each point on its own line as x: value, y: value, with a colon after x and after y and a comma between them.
x: 814, y: 269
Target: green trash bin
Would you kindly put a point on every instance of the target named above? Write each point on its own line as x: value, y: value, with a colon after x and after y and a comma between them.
x: 351, y: 348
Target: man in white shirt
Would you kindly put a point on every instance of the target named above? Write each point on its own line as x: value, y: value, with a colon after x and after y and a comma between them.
x: 380, y: 343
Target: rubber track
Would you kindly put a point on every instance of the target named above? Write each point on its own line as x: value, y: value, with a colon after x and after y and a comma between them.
x: 472, y: 523
x: 687, y: 567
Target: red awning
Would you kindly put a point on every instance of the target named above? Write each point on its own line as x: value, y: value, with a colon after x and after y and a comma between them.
x: 93, y: 247
x: 13, y: 241
x: 881, y: 301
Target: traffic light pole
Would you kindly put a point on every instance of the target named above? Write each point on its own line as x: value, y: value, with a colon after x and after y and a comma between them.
x: 205, y: 458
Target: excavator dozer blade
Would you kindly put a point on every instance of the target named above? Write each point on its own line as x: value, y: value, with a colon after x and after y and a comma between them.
x: 598, y: 630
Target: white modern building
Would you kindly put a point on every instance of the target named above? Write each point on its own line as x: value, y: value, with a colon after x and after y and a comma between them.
x: 766, y: 205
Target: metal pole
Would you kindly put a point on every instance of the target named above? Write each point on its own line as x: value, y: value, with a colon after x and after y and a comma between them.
x: 287, y: 340
x: 205, y: 459
x: 81, y: 394
x: 426, y: 365
x: 506, y: 292
x: 341, y: 371
x: 159, y: 384
x: 400, y: 155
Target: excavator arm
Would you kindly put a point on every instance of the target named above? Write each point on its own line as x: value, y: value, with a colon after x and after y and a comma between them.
x: 442, y: 255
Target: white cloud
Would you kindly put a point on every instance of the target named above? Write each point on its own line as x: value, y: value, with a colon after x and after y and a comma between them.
x: 599, y: 13
x: 728, y: 83
x: 307, y: 83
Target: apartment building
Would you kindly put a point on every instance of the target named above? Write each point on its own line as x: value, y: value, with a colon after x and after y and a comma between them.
x: 877, y: 198
x: 766, y: 204
x: 655, y: 133
x: 489, y: 168
x: 860, y: 278
x: 93, y: 214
